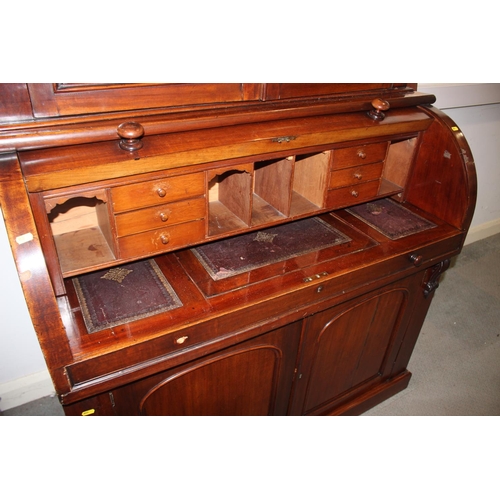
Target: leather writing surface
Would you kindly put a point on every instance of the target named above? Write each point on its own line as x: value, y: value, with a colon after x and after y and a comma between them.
x: 390, y: 218
x: 121, y: 294
x: 240, y: 254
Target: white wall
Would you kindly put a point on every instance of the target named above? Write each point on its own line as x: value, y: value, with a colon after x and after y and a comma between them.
x: 476, y: 110
x: 474, y: 107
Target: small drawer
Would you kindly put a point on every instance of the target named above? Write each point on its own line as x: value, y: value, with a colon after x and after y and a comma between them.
x: 157, y: 192
x: 162, y: 240
x: 359, y: 155
x: 160, y: 216
x: 352, y: 195
x: 355, y: 175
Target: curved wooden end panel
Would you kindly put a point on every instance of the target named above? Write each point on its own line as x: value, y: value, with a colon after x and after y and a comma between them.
x: 443, y: 180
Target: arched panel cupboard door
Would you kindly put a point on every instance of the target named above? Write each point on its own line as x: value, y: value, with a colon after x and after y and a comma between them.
x: 351, y: 348
x: 251, y: 378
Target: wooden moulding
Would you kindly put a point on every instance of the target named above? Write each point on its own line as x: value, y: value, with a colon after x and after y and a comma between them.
x: 88, y: 127
x: 70, y: 166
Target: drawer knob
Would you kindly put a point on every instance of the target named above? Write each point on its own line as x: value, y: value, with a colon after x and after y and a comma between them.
x: 416, y: 259
x: 379, y: 106
x: 181, y: 340
x: 164, y: 217
x: 361, y: 154
x: 130, y: 133
x: 164, y: 239
x: 355, y: 193
x: 161, y: 192
x: 358, y: 176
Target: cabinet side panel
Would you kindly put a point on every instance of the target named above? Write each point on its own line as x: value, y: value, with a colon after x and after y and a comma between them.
x: 32, y: 270
x: 443, y: 181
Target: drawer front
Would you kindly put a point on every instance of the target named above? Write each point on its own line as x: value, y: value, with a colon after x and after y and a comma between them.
x: 359, y: 155
x: 160, y: 216
x: 355, y: 175
x: 162, y: 240
x: 352, y: 195
x: 157, y: 192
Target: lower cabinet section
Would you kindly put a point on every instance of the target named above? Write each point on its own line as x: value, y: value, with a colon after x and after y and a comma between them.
x: 334, y: 362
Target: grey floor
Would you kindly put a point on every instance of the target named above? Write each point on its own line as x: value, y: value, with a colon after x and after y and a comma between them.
x: 456, y: 363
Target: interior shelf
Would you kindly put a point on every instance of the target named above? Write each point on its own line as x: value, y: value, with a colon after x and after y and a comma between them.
x: 230, y: 200
x: 82, y: 232
x: 81, y: 249
x: 263, y: 212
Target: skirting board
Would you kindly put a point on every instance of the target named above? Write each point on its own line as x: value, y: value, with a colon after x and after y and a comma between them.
x: 25, y: 389
x: 482, y: 231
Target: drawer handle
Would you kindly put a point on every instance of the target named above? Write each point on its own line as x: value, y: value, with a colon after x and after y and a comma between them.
x: 164, y: 217
x: 165, y: 239
x: 161, y: 192
x: 355, y: 193
x: 358, y: 176
x: 181, y: 340
x: 361, y: 154
x: 416, y: 259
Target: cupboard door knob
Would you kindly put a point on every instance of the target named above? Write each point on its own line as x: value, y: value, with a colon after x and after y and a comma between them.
x: 161, y: 192
x: 416, y: 259
x: 164, y: 217
x: 130, y: 133
x: 164, y: 239
x: 354, y: 193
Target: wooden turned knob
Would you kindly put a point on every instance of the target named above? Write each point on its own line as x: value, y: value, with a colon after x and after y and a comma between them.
x: 379, y: 106
x: 416, y: 259
x: 130, y: 134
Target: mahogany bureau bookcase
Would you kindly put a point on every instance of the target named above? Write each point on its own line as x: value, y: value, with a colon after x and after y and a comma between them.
x: 230, y: 249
